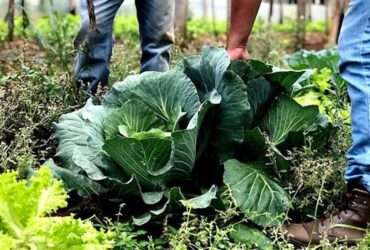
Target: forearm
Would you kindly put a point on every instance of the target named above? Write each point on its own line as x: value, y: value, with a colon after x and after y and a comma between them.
x: 243, y: 15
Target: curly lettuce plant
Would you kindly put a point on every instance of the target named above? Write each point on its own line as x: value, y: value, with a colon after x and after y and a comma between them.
x: 325, y: 88
x: 26, y: 221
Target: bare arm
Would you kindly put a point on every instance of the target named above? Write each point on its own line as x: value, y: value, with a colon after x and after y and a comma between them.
x: 243, y: 15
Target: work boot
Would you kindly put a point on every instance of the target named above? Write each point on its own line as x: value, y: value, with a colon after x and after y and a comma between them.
x: 348, y: 223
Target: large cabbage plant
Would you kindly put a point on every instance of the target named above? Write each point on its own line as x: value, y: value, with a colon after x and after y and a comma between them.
x: 252, y: 128
x: 139, y: 142
x: 164, y: 137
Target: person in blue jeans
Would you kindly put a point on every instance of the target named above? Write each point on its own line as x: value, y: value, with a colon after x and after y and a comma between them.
x: 155, y: 18
x: 350, y: 220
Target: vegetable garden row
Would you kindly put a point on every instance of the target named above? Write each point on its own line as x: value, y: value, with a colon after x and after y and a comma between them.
x: 208, y: 135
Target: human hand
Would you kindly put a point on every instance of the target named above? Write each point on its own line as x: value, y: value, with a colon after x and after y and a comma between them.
x: 238, y: 53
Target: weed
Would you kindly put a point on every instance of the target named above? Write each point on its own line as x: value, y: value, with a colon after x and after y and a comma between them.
x: 31, y: 100
x: 56, y: 33
x: 125, y: 60
x: 127, y: 237
x: 317, y: 177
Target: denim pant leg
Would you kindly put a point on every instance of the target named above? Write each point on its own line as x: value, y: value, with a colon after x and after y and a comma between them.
x: 354, y: 50
x: 92, y: 60
x: 156, y: 33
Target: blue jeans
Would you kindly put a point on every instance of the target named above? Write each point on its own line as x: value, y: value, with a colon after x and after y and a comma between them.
x: 155, y: 19
x: 354, y: 50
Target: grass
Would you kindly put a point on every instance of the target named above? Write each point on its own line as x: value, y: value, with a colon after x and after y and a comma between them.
x: 34, y: 95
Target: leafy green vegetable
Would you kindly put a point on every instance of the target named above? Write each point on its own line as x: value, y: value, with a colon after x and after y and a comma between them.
x: 173, y: 104
x: 81, y: 139
x: 304, y: 59
x: 202, y: 201
x: 251, y: 237
x: 249, y: 70
x: 261, y: 94
x: 218, y: 85
x: 291, y: 80
x: 257, y: 195
x: 141, y: 141
x: 144, y: 158
x: 161, y: 138
x: 325, y: 88
x: 285, y: 117
x: 25, y: 220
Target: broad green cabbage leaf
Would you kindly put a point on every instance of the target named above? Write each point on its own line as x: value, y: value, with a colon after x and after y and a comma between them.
x: 287, y: 116
x: 80, y: 136
x: 218, y: 85
x: 260, y: 198
x: 170, y: 96
x: 202, y: 201
x: 250, y: 69
x: 251, y: 237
